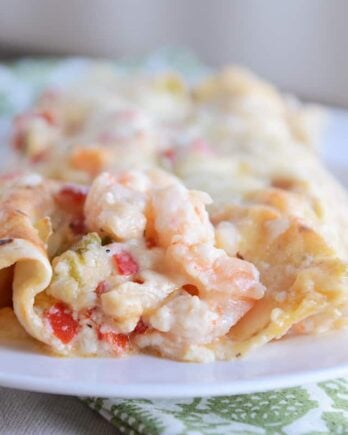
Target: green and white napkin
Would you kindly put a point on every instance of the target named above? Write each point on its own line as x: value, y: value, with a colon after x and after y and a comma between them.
x: 307, y: 410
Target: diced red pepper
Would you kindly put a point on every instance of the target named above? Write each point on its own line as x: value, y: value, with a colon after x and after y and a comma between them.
x: 64, y: 326
x: 191, y: 289
x: 125, y: 263
x: 102, y: 287
x: 71, y: 198
x: 117, y: 341
x: 140, y: 328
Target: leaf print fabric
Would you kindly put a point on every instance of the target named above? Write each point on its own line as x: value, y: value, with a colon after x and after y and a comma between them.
x: 307, y: 410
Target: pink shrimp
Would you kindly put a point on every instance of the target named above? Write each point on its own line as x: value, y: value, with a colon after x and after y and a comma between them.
x: 218, y: 289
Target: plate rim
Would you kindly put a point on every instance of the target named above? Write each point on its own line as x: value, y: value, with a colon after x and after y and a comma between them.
x: 169, y: 390
x: 284, y: 363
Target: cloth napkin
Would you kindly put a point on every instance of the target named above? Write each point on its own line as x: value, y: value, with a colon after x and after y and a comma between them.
x: 307, y: 410
x: 312, y: 410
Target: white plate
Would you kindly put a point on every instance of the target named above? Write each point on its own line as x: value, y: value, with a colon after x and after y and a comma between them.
x: 281, y: 364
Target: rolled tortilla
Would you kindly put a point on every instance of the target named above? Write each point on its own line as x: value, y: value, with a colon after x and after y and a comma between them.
x: 280, y: 232
x: 306, y: 280
x: 22, y: 207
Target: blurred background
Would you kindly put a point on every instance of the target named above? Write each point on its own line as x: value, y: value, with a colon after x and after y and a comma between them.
x: 300, y: 45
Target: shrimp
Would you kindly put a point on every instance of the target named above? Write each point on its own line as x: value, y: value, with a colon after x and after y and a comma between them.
x: 214, y: 273
x: 218, y: 289
x: 226, y: 288
x: 185, y: 290
x: 130, y: 300
x: 192, y: 293
x: 180, y: 215
x: 116, y: 209
x: 117, y: 206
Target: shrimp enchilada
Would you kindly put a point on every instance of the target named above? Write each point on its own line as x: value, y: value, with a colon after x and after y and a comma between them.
x: 193, y: 223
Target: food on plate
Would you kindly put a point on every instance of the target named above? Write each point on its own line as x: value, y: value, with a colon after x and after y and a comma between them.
x: 143, y: 259
x: 115, y: 122
x: 136, y: 263
x: 195, y: 223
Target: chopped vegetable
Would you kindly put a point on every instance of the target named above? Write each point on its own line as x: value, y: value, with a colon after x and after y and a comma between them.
x: 117, y: 341
x: 125, y: 263
x: 64, y: 326
x: 191, y: 289
x: 71, y: 198
x: 78, y: 271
